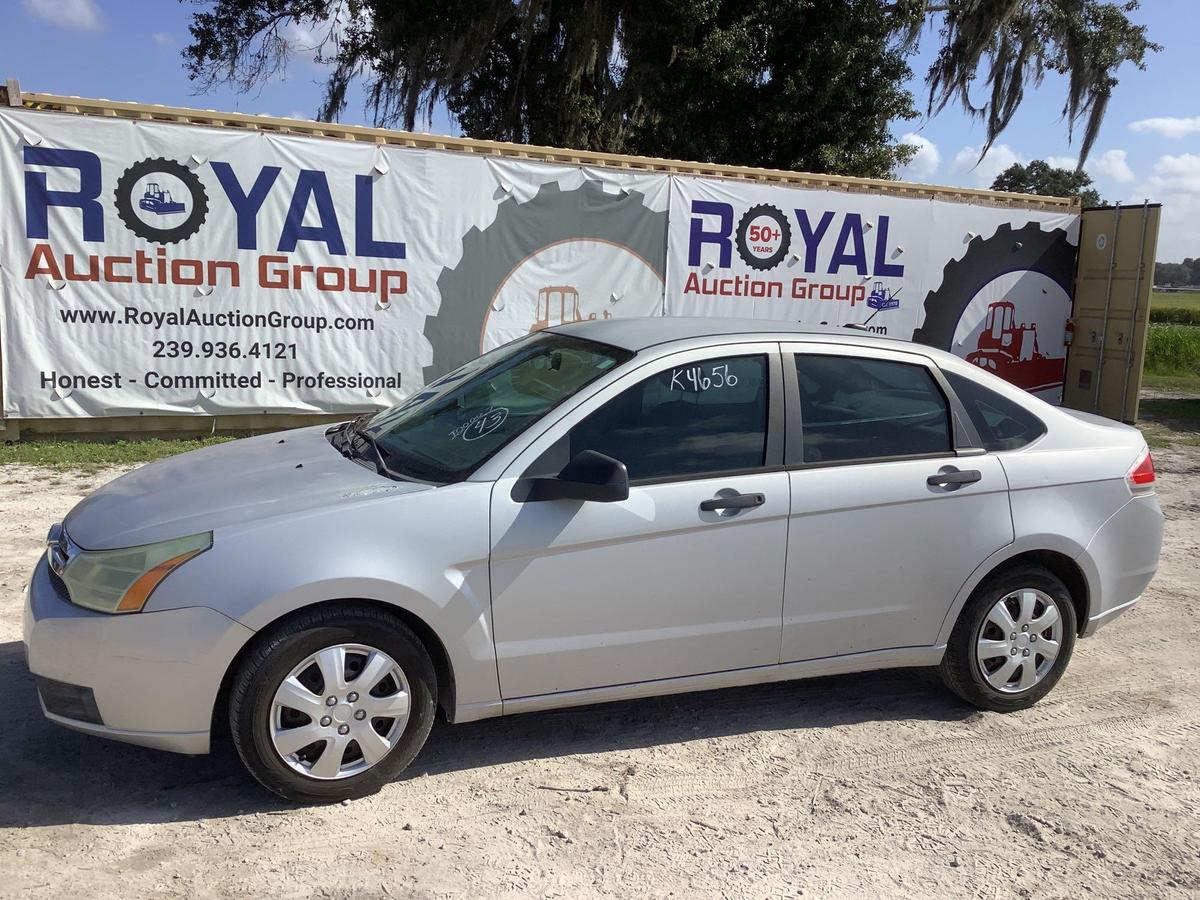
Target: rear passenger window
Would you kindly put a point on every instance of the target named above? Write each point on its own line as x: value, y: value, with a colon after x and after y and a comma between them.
x: 688, y: 420
x: 857, y: 409
x: 1001, y: 423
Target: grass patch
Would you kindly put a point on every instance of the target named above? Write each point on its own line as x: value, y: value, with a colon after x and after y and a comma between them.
x: 1172, y: 384
x: 88, y: 456
x: 1173, y: 350
x: 1184, y: 300
x: 1170, y: 421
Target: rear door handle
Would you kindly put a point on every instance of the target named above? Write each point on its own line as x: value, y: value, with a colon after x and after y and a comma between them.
x: 953, y: 479
x: 736, y: 501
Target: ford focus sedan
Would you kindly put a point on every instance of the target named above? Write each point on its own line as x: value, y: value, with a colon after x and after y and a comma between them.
x: 595, y: 512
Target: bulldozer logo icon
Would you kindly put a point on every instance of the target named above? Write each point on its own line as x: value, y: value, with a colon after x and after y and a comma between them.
x: 158, y: 201
x: 559, y: 305
x: 563, y: 255
x: 991, y: 302
x: 1011, y: 350
x: 158, y: 187
x: 883, y: 297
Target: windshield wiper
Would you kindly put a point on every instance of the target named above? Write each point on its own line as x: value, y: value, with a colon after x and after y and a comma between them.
x: 342, y: 436
x: 354, y: 429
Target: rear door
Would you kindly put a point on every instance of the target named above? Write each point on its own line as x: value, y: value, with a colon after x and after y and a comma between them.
x: 682, y: 578
x: 891, y: 509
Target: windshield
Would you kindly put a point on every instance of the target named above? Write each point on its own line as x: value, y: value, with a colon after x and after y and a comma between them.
x: 451, y: 427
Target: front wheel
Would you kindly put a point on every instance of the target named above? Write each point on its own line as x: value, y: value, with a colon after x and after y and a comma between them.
x: 1012, y: 641
x: 333, y: 704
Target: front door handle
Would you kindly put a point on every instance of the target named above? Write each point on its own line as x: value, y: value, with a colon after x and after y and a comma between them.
x: 734, y: 501
x: 953, y: 478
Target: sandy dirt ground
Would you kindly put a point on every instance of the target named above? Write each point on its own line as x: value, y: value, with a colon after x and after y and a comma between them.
x: 856, y: 786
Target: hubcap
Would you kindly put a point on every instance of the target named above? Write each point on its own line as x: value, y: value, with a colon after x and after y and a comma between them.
x: 340, y: 711
x: 1019, y: 640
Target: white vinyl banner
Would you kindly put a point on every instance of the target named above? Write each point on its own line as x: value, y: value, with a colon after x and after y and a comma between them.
x: 935, y: 271
x: 150, y: 267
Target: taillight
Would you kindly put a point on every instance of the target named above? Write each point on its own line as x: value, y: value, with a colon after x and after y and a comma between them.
x: 1141, y: 477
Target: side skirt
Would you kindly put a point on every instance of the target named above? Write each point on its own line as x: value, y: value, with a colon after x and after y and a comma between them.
x: 900, y: 657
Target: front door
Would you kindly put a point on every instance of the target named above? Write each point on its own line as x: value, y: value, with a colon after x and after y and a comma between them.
x: 661, y: 585
x: 888, y: 520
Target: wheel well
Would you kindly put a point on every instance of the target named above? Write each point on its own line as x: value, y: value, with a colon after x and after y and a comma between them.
x: 433, y: 646
x: 1068, y: 573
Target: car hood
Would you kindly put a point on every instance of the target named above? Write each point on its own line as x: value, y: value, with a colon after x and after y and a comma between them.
x: 229, y: 484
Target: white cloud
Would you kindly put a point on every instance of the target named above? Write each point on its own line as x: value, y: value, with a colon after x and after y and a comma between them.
x: 999, y: 158
x: 300, y: 35
x: 1167, y: 126
x: 1178, y: 173
x: 1175, y: 182
x: 68, y: 13
x: 309, y: 38
x: 1063, y: 162
x: 926, y: 161
x: 1110, y: 164
x: 163, y: 39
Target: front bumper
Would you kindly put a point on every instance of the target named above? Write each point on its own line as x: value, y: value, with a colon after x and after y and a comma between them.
x: 154, y: 675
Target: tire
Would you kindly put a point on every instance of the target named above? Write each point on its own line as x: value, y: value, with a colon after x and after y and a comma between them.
x: 123, y: 200
x: 1027, y: 248
x: 254, y: 712
x: 965, y: 673
x: 491, y: 254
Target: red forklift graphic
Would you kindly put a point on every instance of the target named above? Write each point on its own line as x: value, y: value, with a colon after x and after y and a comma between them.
x: 1011, y: 351
x: 566, y: 299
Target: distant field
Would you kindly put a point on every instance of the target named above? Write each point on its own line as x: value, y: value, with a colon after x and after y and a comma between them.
x: 1190, y: 300
x: 1173, y: 351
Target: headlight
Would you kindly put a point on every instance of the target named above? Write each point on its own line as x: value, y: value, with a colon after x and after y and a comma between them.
x: 121, y: 581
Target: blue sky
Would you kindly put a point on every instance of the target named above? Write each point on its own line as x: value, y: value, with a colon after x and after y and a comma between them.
x: 1149, y: 145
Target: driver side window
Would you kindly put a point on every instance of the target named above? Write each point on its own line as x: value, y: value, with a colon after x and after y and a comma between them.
x: 688, y: 420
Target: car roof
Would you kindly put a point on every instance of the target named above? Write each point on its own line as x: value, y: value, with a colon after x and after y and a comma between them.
x: 641, y: 332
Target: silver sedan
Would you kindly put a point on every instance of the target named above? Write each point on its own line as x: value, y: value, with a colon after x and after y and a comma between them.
x: 595, y: 512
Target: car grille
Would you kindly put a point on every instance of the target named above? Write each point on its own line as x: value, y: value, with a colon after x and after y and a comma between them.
x: 60, y: 550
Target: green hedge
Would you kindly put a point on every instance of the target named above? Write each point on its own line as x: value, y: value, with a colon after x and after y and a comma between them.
x: 1174, y: 315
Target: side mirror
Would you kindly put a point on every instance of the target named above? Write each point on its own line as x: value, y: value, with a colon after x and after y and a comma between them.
x: 588, y: 476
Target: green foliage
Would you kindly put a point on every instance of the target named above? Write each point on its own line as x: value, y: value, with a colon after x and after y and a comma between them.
x: 1173, y: 350
x: 1040, y: 177
x: 792, y: 85
x: 1177, y: 274
x: 807, y: 86
x: 798, y: 84
x: 88, y: 456
x: 1175, y: 315
x: 1017, y: 41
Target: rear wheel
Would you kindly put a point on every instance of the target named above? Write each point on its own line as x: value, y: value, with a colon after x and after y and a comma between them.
x: 1012, y: 641
x: 332, y: 704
